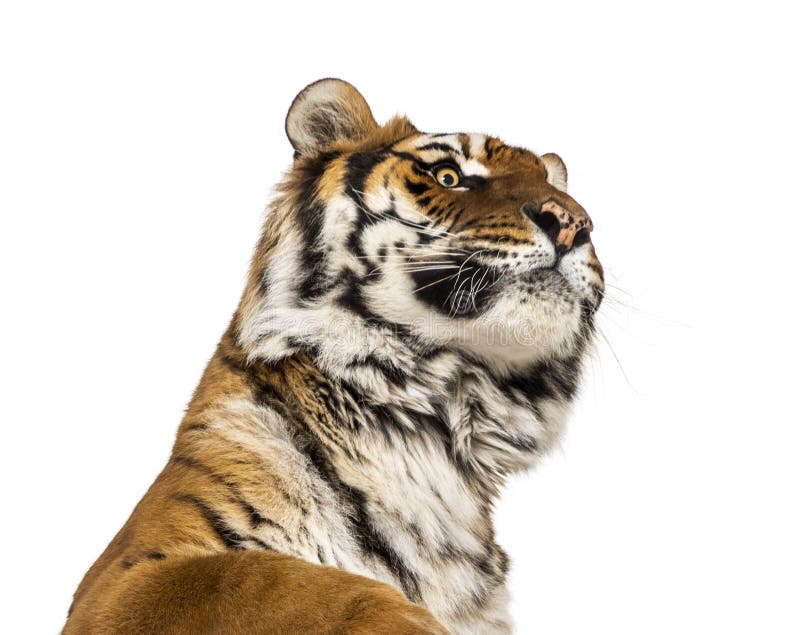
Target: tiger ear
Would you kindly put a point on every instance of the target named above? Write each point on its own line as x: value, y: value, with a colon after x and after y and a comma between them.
x: 556, y: 171
x: 327, y: 111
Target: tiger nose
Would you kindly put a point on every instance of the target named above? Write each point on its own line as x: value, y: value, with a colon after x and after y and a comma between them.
x: 567, y: 228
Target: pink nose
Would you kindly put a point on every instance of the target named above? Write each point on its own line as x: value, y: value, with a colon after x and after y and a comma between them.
x: 567, y: 228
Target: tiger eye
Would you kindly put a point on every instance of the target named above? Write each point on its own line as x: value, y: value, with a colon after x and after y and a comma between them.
x: 447, y: 177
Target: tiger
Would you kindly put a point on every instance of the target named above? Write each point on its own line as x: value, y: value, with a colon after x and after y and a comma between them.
x: 411, y: 332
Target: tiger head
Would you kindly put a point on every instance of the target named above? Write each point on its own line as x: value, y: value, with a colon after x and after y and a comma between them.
x: 388, y: 244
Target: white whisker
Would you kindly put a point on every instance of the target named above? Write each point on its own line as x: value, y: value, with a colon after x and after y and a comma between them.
x: 430, y: 284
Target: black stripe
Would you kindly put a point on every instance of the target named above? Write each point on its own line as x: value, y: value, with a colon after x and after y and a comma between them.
x: 391, y: 372
x: 487, y: 148
x: 416, y: 188
x: 354, y: 505
x: 359, y: 167
x: 464, y: 141
x: 310, y: 217
x: 456, y: 218
x: 230, y: 538
x: 235, y: 494
x: 227, y: 535
x: 373, y: 542
x: 435, y: 145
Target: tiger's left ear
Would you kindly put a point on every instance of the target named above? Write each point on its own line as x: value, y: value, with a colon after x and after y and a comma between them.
x: 327, y: 111
x: 556, y: 171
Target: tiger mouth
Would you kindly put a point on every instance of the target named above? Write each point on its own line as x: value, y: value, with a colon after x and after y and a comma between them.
x: 473, y: 287
x: 460, y: 292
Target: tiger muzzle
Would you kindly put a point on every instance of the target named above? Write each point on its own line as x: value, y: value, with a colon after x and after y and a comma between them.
x: 568, y: 226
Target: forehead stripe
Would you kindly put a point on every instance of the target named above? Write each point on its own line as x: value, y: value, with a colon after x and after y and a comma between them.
x: 435, y: 145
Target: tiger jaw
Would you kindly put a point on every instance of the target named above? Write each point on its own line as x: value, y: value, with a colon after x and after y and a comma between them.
x: 467, y: 285
x: 510, y: 303
x: 504, y: 316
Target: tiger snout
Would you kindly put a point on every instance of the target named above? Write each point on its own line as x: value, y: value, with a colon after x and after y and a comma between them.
x: 567, y: 226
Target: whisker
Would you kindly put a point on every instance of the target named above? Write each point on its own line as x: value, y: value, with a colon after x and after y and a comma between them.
x: 377, y: 270
x: 433, y: 262
x: 456, y: 300
x: 430, y: 284
x: 419, y: 266
x: 614, y: 353
x: 419, y: 256
x: 472, y: 294
x: 502, y: 275
x: 459, y: 275
x: 426, y: 247
x: 620, y: 289
x: 429, y: 269
x: 482, y: 286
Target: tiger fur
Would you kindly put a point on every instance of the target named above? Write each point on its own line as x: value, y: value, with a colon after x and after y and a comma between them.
x: 411, y: 332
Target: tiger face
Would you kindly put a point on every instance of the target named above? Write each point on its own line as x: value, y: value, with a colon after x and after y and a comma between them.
x: 454, y: 241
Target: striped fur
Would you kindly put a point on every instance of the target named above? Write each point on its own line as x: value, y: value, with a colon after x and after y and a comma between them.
x: 400, y: 348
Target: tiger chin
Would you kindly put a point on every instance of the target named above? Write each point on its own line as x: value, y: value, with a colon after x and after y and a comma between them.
x: 411, y: 332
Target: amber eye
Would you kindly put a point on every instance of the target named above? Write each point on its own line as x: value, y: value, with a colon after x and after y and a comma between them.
x: 446, y: 176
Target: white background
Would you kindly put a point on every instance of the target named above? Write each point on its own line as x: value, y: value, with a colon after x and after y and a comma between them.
x: 138, y: 148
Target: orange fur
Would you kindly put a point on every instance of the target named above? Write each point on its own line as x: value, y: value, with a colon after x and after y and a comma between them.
x: 166, y: 571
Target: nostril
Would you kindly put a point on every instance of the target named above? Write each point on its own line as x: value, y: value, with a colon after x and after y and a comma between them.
x: 566, y: 228
x: 581, y: 238
x: 549, y: 224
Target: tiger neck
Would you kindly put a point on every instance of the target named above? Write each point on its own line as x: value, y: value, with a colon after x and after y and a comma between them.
x: 365, y: 384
